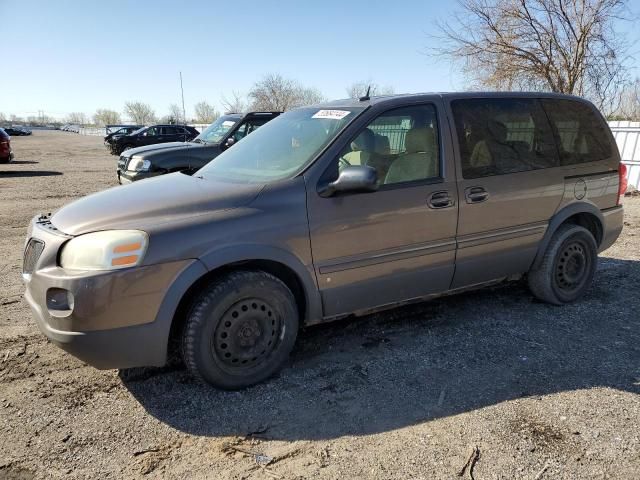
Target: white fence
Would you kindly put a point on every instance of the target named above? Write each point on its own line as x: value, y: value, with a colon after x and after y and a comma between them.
x: 627, y: 135
x: 93, y: 131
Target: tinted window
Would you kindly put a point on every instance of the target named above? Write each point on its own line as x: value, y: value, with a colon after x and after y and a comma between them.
x: 582, y: 134
x: 501, y: 136
x: 401, y: 144
x: 168, y: 131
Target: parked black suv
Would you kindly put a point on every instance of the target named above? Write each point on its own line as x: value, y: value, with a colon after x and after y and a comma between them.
x: 154, y: 160
x: 112, y: 135
x: 152, y: 135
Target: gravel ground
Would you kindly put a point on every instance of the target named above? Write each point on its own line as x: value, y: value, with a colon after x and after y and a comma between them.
x: 522, y: 389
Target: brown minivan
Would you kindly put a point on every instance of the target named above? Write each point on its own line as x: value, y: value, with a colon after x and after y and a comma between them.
x: 325, y: 212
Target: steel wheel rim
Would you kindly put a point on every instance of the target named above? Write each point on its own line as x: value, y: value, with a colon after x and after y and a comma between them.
x: 572, y: 266
x: 247, y: 334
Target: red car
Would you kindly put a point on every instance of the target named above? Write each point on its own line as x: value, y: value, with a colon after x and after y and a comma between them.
x: 6, y: 155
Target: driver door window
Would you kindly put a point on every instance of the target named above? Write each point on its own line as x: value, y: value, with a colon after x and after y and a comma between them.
x: 401, y: 144
x: 246, y: 128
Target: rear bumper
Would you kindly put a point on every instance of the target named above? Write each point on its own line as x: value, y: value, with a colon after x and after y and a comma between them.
x: 612, y: 226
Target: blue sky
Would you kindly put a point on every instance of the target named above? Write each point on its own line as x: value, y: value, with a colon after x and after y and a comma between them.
x: 67, y: 56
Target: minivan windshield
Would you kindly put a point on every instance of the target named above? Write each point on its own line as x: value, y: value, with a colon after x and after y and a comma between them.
x: 217, y: 130
x: 281, y: 148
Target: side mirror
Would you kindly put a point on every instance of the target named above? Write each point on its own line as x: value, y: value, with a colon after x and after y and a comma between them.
x: 357, y: 178
x: 230, y: 142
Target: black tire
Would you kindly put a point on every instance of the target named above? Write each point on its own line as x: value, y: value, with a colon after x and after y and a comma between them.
x: 240, y: 330
x: 125, y: 148
x: 567, y: 267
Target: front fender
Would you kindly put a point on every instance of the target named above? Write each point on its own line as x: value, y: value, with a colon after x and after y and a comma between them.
x: 256, y: 252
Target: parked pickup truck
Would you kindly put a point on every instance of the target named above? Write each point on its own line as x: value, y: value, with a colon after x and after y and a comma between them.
x: 153, y: 160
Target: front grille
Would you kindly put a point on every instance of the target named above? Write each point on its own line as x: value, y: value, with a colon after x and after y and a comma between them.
x: 31, y: 255
x: 122, y: 163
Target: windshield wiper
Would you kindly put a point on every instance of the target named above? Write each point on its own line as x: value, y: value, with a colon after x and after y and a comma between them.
x: 198, y: 140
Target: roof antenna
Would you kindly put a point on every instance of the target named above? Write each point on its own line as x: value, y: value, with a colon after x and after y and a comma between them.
x: 366, y: 95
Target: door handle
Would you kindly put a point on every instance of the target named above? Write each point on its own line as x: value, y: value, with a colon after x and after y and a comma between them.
x: 476, y: 194
x: 439, y: 200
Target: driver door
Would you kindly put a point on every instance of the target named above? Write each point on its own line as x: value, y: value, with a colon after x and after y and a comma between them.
x: 150, y: 136
x: 397, y: 243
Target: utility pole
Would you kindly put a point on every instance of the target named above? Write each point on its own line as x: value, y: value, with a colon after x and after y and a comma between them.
x: 184, y: 115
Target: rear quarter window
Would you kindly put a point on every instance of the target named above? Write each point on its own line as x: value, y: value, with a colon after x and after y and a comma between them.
x: 581, y: 133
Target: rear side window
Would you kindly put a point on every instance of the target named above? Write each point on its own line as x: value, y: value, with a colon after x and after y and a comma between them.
x: 502, y: 136
x: 580, y: 132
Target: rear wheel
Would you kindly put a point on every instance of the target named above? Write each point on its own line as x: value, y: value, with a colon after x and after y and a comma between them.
x: 568, y: 266
x: 240, y: 330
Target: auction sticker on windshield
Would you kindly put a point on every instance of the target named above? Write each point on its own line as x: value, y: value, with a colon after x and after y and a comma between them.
x: 228, y: 123
x: 333, y: 114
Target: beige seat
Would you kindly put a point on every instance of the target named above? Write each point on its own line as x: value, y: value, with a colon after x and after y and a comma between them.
x: 496, y: 151
x: 419, y: 159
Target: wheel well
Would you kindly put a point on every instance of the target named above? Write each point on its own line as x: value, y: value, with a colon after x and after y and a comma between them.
x: 278, y: 270
x: 588, y: 221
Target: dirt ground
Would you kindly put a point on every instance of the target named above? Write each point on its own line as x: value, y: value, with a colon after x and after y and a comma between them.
x: 542, y: 392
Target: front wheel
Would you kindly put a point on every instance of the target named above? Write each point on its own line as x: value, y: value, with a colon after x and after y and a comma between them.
x: 568, y: 266
x: 240, y: 330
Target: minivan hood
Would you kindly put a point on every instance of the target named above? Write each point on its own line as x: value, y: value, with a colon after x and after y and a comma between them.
x: 151, y: 202
x: 165, y: 147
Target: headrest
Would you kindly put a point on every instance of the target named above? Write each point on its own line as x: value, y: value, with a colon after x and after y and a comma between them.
x: 419, y: 140
x: 498, y: 130
x: 382, y: 145
x: 365, y: 141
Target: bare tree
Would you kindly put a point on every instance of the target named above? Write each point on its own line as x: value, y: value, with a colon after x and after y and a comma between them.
x: 104, y: 116
x: 630, y: 102
x: 205, y: 113
x: 567, y: 46
x: 77, y: 118
x: 175, y: 113
x: 140, y: 113
x: 15, y: 118
x: 276, y: 93
x: 237, y: 104
x: 3, y: 118
x: 359, y: 89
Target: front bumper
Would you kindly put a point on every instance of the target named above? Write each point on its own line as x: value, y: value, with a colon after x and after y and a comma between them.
x: 114, y: 317
x: 125, y: 177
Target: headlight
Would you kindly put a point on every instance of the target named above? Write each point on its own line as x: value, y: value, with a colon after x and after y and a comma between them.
x: 108, y: 250
x: 137, y: 164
